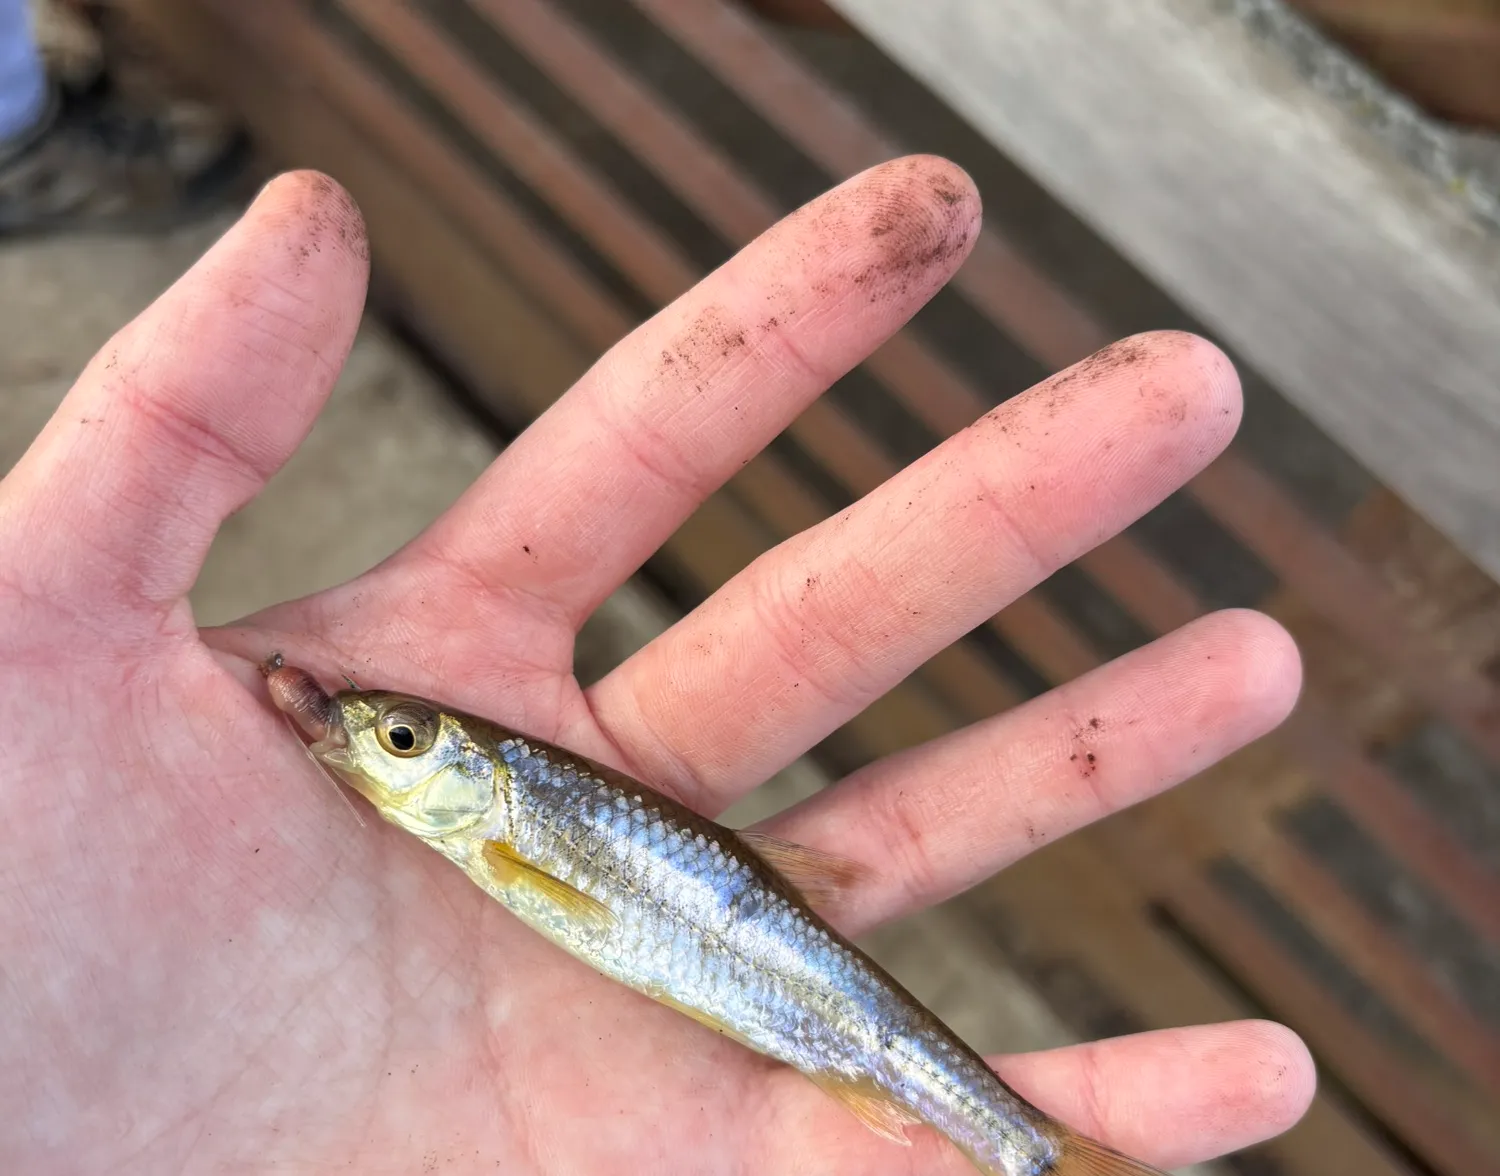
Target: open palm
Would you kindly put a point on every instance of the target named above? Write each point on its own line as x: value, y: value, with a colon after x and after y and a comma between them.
x: 206, y: 966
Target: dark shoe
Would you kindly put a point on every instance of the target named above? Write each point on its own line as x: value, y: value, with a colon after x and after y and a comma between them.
x: 95, y: 162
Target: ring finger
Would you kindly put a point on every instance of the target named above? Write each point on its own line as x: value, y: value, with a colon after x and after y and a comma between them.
x: 936, y: 819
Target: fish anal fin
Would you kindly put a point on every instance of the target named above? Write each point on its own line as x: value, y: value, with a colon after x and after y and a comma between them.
x: 821, y: 878
x: 870, y: 1105
x: 1081, y: 1156
x: 510, y: 869
x: 705, y: 1019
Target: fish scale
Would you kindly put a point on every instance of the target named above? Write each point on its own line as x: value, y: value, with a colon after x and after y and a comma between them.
x: 794, y: 990
x: 682, y: 909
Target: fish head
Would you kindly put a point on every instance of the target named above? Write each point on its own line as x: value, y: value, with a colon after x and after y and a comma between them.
x: 414, y: 761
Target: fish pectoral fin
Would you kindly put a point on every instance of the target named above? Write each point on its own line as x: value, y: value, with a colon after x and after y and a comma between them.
x: 510, y: 869
x: 820, y: 877
x: 870, y: 1105
x: 706, y: 1019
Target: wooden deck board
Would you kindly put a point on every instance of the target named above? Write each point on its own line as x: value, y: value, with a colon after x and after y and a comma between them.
x: 1077, y: 904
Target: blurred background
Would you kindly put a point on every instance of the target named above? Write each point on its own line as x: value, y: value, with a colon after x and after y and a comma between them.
x: 1313, y: 185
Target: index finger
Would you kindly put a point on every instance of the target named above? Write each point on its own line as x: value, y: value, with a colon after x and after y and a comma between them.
x: 594, y: 486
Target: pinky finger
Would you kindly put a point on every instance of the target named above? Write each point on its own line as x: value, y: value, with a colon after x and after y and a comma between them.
x: 1169, y: 1098
x: 1174, y: 1096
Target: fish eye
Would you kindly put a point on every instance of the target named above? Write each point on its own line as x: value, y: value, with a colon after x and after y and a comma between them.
x: 406, y: 731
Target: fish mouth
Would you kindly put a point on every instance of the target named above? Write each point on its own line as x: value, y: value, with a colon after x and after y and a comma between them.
x: 333, y: 751
x: 317, y: 714
x: 332, y: 748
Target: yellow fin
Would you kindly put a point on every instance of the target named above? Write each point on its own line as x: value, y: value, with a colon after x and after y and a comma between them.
x: 819, y: 877
x: 870, y: 1105
x: 702, y: 1018
x: 1083, y: 1157
x: 510, y: 869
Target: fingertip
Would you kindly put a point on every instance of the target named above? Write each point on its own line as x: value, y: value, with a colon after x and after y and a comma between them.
x: 923, y: 181
x: 1216, y: 382
x: 1223, y: 1087
x: 1181, y: 380
x: 1282, y: 1078
x: 1206, y: 361
x: 943, y: 198
x: 1262, y: 655
x: 245, y: 347
x: 1206, y: 370
x: 1274, y: 664
x: 314, y: 208
x: 1144, y: 415
x: 948, y: 186
x: 905, y: 226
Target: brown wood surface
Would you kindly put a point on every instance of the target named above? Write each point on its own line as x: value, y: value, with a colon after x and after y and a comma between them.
x: 1075, y: 903
x: 812, y: 14
x: 1453, y: 1137
x: 1444, y: 53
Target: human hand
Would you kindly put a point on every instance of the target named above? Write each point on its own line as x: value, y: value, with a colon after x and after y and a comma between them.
x: 207, y: 967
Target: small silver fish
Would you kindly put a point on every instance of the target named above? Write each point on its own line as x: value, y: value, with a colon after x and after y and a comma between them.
x: 717, y: 924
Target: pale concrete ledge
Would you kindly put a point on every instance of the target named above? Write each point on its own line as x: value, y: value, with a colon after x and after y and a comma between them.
x: 1341, y: 244
x: 1467, y: 162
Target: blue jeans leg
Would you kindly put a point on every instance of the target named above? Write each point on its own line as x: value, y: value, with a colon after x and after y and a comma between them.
x: 23, y: 77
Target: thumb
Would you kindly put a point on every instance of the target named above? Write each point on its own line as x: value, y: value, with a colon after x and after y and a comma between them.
x: 188, y: 410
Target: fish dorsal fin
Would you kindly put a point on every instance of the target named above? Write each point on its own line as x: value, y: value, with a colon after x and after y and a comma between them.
x: 821, y: 878
x: 870, y: 1105
x: 1083, y: 1157
x: 510, y: 869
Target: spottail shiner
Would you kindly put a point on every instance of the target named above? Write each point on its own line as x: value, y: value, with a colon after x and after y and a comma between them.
x: 717, y: 924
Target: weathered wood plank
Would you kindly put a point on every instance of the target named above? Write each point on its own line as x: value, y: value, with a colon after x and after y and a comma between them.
x: 1444, y: 53
x: 1073, y: 902
x: 464, y: 306
x: 1358, y: 284
x: 1455, y: 1138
